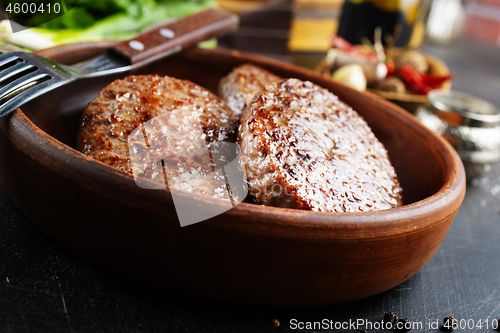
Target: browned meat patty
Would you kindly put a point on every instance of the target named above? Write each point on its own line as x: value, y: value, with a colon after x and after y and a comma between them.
x: 303, y: 148
x: 176, y: 121
x: 239, y: 87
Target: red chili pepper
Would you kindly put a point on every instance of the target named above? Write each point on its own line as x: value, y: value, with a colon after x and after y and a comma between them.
x: 391, y: 67
x: 414, y: 80
x: 436, y: 81
x: 341, y: 44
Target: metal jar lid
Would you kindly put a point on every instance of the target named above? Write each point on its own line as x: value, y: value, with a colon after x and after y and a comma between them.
x: 470, y: 124
x: 461, y: 109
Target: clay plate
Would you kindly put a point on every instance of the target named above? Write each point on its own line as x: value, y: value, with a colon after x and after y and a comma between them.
x: 250, y: 254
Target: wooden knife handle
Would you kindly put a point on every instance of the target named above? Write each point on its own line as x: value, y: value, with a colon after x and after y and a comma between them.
x: 175, y: 36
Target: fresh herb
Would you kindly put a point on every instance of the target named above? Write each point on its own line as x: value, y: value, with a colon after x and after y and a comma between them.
x: 390, y: 317
x: 449, y: 323
x: 403, y: 325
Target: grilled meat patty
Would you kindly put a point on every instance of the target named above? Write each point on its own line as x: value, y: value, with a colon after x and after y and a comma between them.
x: 304, y: 148
x: 136, y: 123
x: 239, y: 87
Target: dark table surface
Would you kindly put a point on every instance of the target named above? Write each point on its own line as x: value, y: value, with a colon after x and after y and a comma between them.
x: 46, y: 288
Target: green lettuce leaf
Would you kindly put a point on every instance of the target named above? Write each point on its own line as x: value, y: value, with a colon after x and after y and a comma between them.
x: 93, y: 20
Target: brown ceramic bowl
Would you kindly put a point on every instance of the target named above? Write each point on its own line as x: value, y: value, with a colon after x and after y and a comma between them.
x: 250, y: 254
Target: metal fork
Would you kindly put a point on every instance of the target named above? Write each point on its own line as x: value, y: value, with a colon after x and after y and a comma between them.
x: 25, y: 75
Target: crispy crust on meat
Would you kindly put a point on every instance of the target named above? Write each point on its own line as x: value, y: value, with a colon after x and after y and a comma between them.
x: 183, y: 119
x: 239, y: 87
x: 304, y: 148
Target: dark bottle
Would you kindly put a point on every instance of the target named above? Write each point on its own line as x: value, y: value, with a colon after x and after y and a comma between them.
x: 360, y: 18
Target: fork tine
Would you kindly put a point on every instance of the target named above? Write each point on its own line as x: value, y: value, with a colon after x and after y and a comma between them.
x: 21, y: 84
x: 13, y: 72
x: 7, y: 60
x: 24, y: 97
